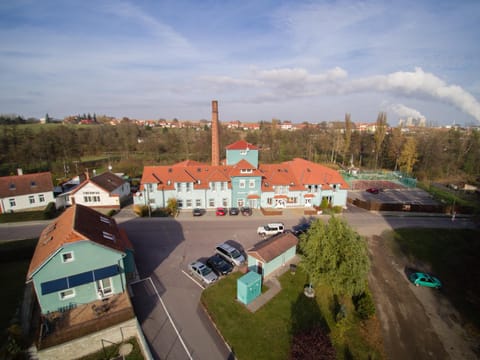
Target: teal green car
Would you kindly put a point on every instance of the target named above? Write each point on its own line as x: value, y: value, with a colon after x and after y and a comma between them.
x: 424, y: 279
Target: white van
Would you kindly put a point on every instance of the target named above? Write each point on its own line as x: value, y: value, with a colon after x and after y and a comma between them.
x: 271, y: 229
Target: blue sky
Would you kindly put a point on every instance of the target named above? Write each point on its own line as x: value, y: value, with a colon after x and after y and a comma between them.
x: 291, y: 60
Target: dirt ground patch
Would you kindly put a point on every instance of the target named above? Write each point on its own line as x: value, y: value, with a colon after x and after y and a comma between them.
x: 417, y: 322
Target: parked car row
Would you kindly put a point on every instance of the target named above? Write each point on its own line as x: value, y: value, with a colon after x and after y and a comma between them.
x: 222, y: 211
x: 226, y: 257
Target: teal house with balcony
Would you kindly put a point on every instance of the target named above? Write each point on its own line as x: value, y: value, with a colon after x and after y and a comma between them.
x: 81, y: 257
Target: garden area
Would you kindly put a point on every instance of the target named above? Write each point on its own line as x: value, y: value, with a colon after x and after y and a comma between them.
x: 337, y: 322
x: 269, y: 332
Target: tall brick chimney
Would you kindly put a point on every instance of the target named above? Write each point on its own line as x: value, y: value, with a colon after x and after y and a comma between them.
x: 215, y: 140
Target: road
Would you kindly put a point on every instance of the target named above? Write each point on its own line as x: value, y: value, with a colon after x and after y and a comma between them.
x: 164, y: 247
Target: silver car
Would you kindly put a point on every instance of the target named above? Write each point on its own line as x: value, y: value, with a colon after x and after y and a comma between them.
x: 202, y: 272
x: 230, y: 254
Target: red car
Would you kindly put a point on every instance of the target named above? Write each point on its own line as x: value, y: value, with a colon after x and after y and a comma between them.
x: 221, y: 211
x: 373, y: 191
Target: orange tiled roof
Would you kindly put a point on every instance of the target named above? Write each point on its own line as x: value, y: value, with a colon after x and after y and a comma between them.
x: 241, y: 145
x: 269, y: 249
x: 295, y: 174
x: 25, y: 184
x: 77, y: 223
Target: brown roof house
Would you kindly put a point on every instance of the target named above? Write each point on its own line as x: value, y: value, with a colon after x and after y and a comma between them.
x: 273, y: 253
x: 106, y: 190
x: 25, y: 191
x: 79, y: 271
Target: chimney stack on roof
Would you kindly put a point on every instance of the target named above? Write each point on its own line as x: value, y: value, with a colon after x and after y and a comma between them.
x: 19, y: 172
x: 215, y: 140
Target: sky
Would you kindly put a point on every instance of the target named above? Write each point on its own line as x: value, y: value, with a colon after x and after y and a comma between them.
x: 261, y: 59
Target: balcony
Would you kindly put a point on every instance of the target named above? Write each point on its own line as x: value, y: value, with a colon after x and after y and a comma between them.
x: 62, y: 326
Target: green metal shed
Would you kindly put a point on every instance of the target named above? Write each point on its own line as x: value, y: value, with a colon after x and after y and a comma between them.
x: 249, y: 287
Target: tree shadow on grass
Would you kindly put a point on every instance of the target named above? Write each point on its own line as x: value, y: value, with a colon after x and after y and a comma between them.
x: 309, y: 331
x: 306, y: 314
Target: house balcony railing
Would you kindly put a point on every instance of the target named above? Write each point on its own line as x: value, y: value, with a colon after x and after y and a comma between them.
x: 59, y: 327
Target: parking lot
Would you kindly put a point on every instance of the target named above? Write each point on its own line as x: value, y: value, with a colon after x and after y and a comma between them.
x: 163, y: 248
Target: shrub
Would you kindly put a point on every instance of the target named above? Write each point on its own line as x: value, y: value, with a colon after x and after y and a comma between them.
x: 337, y: 209
x: 50, y: 211
x: 112, y: 212
x: 324, y: 204
x: 364, y: 305
x: 172, y: 206
x: 161, y: 212
x: 312, y: 344
x: 141, y: 210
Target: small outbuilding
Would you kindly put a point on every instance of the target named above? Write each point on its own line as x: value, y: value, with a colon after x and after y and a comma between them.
x: 267, y: 256
x: 249, y: 287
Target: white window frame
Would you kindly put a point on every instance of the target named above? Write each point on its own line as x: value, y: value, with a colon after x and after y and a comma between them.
x: 41, y: 198
x: 224, y: 202
x: 211, y: 202
x: 188, y: 187
x: 31, y: 199
x: 188, y: 203
x: 241, y: 184
x: 101, y: 288
x: 66, y: 259
x: 12, y: 202
x: 251, y: 183
x: 198, y: 203
x: 66, y: 294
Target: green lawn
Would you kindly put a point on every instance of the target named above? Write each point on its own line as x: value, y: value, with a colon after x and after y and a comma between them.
x: 267, y: 333
x: 453, y: 255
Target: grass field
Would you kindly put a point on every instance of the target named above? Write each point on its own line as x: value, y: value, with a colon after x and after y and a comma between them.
x: 453, y: 256
x: 267, y: 333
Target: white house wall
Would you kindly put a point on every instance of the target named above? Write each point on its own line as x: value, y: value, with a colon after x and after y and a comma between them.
x: 22, y: 202
x: 92, y: 190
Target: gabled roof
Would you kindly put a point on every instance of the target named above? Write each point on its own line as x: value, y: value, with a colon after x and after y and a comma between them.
x: 273, y: 247
x: 296, y: 174
x: 239, y: 169
x: 25, y: 184
x: 107, y: 181
x: 310, y: 173
x: 78, y: 223
x: 241, y: 145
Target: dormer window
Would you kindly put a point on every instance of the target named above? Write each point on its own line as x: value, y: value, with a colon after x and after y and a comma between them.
x: 105, y: 220
x: 12, y: 186
x: 108, y: 236
x: 246, y: 171
x: 33, y: 184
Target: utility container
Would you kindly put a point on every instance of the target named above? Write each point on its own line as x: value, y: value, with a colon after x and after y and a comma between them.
x: 249, y: 287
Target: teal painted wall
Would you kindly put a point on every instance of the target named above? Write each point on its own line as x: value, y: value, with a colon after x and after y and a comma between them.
x: 234, y: 156
x: 87, y: 256
x: 239, y: 193
x: 249, y: 287
x: 273, y: 265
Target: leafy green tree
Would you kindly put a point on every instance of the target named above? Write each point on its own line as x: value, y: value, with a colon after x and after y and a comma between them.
x: 334, y: 254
